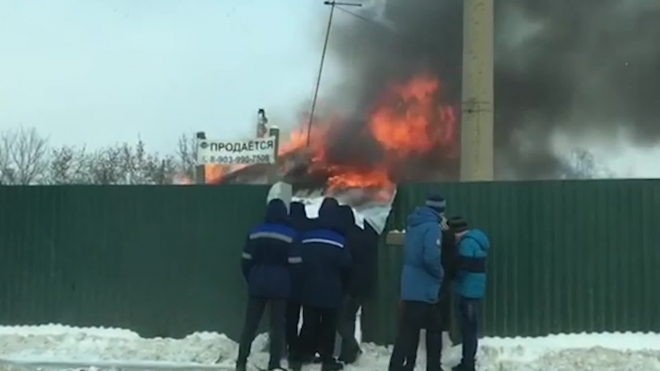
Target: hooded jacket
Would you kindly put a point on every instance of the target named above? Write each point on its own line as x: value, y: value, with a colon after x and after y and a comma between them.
x: 473, y: 249
x: 298, y: 219
x: 270, y: 253
x: 326, y: 259
x: 422, y: 272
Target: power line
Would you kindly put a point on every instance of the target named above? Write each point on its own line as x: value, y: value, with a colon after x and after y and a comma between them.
x: 332, y: 4
x: 356, y: 15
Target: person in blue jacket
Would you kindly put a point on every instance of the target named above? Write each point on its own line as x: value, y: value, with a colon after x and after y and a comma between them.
x: 470, y: 287
x: 420, y: 283
x: 270, y: 256
x: 326, y: 264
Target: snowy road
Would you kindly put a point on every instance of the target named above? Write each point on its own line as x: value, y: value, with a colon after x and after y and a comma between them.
x: 64, y: 348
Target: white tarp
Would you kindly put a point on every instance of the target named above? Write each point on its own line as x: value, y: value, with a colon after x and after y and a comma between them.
x: 245, y: 152
x: 374, y: 212
x: 281, y: 190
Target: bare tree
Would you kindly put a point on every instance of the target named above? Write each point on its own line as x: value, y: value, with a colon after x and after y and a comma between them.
x: 23, y: 157
x: 141, y: 167
x: 103, y: 166
x: 67, y: 166
x: 186, y: 156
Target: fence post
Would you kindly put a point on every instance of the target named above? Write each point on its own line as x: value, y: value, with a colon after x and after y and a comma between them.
x: 200, y: 173
x: 273, y: 169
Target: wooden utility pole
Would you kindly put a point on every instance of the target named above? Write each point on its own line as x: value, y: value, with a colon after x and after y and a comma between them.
x: 477, y: 118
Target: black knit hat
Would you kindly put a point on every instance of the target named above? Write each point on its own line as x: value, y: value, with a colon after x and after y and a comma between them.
x: 457, y: 224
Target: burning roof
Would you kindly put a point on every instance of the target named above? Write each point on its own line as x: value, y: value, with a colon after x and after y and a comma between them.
x: 409, y: 133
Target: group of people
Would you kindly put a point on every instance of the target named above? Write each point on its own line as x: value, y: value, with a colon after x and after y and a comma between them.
x: 325, y: 268
x: 443, y: 258
x: 322, y: 267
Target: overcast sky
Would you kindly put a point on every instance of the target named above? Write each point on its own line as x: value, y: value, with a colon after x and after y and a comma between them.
x: 105, y: 71
x: 98, y: 72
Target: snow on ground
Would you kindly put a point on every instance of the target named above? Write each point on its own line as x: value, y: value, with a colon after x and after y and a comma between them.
x: 107, y: 347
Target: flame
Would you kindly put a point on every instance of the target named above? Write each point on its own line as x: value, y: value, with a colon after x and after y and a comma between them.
x: 417, y: 128
x: 406, y: 122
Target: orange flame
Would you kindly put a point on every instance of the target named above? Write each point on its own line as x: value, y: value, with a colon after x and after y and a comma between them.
x: 406, y: 122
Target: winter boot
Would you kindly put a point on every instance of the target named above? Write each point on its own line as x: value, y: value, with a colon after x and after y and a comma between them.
x: 331, y: 365
x: 350, y: 358
x: 240, y: 366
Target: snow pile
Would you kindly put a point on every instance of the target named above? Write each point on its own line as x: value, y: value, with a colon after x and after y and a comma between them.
x: 55, y: 343
x: 101, y: 347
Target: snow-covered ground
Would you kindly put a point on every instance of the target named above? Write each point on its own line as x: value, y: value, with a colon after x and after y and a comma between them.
x: 36, y: 347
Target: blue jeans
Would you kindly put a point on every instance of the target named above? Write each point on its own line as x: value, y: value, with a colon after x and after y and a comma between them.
x: 469, y: 312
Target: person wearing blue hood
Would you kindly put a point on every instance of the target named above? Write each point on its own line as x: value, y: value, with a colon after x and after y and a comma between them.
x: 470, y: 287
x: 301, y: 223
x: 326, y: 263
x: 269, y: 257
x: 421, y: 279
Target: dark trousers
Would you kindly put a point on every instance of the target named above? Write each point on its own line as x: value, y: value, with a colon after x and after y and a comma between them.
x: 346, y: 328
x: 444, y: 306
x: 318, y: 332
x: 291, y: 328
x: 469, y: 312
x: 414, y: 317
x: 253, y: 314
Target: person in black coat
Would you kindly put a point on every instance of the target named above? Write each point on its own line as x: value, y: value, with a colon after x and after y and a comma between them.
x: 300, y: 222
x: 271, y: 259
x: 326, y: 261
x: 360, y: 282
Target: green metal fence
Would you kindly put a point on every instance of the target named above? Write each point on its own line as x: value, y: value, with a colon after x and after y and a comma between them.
x: 567, y: 256
x: 163, y: 261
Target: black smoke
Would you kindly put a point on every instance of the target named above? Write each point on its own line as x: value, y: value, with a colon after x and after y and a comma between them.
x: 581, y: 67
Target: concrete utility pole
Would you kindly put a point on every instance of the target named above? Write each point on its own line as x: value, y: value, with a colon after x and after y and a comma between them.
x: 477, y: 146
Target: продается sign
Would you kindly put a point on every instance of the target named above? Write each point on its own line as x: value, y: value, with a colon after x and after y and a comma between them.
x: 253, y: 151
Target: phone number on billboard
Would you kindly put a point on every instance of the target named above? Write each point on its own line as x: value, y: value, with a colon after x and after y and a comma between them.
x: 250, y: 159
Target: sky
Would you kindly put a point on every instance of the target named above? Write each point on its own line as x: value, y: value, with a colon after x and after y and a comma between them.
x: 97, y: 73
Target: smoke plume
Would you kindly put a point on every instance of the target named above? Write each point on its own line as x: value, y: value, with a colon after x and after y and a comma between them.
x: 579, y: 67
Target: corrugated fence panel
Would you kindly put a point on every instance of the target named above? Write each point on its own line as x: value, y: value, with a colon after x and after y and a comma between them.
x: 163, y: 260
x: 567, y: 256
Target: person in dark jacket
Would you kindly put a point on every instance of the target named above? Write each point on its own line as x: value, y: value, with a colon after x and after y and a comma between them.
x: 359, y: 284
x: 470, y: 286
x: 300, y: 222
x: 449, y: 262
x: 270, y: 258
x: 421, y: 279
x: 327, y: 262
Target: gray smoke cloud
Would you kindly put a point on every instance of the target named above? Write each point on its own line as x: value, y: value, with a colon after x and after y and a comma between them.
x: 575, y: 66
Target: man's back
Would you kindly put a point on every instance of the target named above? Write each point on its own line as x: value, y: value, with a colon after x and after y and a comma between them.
x: 422, y: 271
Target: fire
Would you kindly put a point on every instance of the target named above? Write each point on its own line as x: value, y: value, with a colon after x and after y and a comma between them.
x: 408, y: 121
x: 418, y: 124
